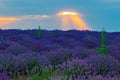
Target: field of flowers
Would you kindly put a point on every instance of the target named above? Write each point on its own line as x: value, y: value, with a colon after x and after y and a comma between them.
x: 58, y: 55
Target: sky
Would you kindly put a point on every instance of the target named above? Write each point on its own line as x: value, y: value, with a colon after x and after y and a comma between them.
x: 89, y: 14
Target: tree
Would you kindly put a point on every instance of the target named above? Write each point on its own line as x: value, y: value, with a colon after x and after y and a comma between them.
x: 39, y: 31
x: 103, y: 50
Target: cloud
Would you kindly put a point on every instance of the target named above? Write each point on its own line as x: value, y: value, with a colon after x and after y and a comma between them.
x: 73, y: 19
x: 66, y: 13
x: 5, y: 21
x: 33, y: 17
x: 30, y: 21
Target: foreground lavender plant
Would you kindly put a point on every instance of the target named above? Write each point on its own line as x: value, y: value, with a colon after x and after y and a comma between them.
x: 3, y: 76
x: 75, y: 68
x: 104, y: 65
x: 97, y: 77
x: 21, y: 78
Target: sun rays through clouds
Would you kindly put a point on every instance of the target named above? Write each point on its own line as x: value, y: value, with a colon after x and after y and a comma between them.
x: 74, y: 19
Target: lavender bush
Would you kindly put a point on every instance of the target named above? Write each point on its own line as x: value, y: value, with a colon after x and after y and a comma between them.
x: 105, y: 65
x: 3, y: 76
x: 72, y: 53
x: 74, y: 68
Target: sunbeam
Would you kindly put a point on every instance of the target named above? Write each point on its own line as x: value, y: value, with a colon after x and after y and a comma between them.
x: 74, y: 17
x: 65, y: 22
x: 79, y: 23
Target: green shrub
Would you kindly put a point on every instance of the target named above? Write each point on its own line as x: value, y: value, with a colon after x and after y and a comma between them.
x: 38, y: 32
x: 103, y: 50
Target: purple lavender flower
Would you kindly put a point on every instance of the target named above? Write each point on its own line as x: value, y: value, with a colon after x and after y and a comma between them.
x: 74, y: 68
x: 104, y: 65
x: 3, y: 76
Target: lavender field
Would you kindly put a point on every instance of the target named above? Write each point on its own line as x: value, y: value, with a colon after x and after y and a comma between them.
x: 58, y: 55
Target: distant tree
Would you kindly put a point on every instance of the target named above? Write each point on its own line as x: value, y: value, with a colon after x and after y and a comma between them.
x: 38, y: 31
x: 103, y: 50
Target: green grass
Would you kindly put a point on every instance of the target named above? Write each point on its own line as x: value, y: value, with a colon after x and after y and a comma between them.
x: 45, y: 75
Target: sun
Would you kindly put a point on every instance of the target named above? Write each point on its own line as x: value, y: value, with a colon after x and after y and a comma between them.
x: 66, y: 13
x: 73, y: 18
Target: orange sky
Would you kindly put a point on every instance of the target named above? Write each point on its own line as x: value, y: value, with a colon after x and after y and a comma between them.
x: 73, y: 18
x: 6, y: 20
x: 65, y: 22
x: 68, y: 20
x: 79, y: 23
